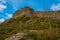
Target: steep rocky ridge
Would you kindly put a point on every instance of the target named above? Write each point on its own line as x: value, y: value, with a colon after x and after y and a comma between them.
x: 36, y: 25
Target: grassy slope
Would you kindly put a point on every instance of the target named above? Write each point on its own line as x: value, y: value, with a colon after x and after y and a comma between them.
x: 35, y: 27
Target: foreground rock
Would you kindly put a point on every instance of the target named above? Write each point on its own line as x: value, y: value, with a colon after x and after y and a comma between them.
x: 18, y: 36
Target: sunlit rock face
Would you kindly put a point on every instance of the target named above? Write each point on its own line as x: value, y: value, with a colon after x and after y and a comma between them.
x: 27, y: 11
x: 24, y: 11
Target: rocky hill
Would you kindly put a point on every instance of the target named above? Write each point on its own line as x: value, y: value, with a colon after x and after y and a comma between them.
x: 30, y: 12
x: 24, y: 11
x: 35, y: 25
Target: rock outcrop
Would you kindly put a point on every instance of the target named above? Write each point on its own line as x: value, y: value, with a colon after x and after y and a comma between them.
x: 18, y: 36
x: 24, y: 11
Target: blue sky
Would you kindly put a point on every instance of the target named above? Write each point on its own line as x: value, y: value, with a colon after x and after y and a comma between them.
x: 8, y: 7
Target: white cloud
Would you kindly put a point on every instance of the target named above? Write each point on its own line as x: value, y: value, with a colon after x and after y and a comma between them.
x: 55, y: 7
x: 3, y: 1
x: 2, y: 7
x: 2, y: 20
x: 8, y: 16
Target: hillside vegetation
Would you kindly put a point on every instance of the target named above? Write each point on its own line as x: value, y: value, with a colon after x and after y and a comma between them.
x: 35, y: 28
